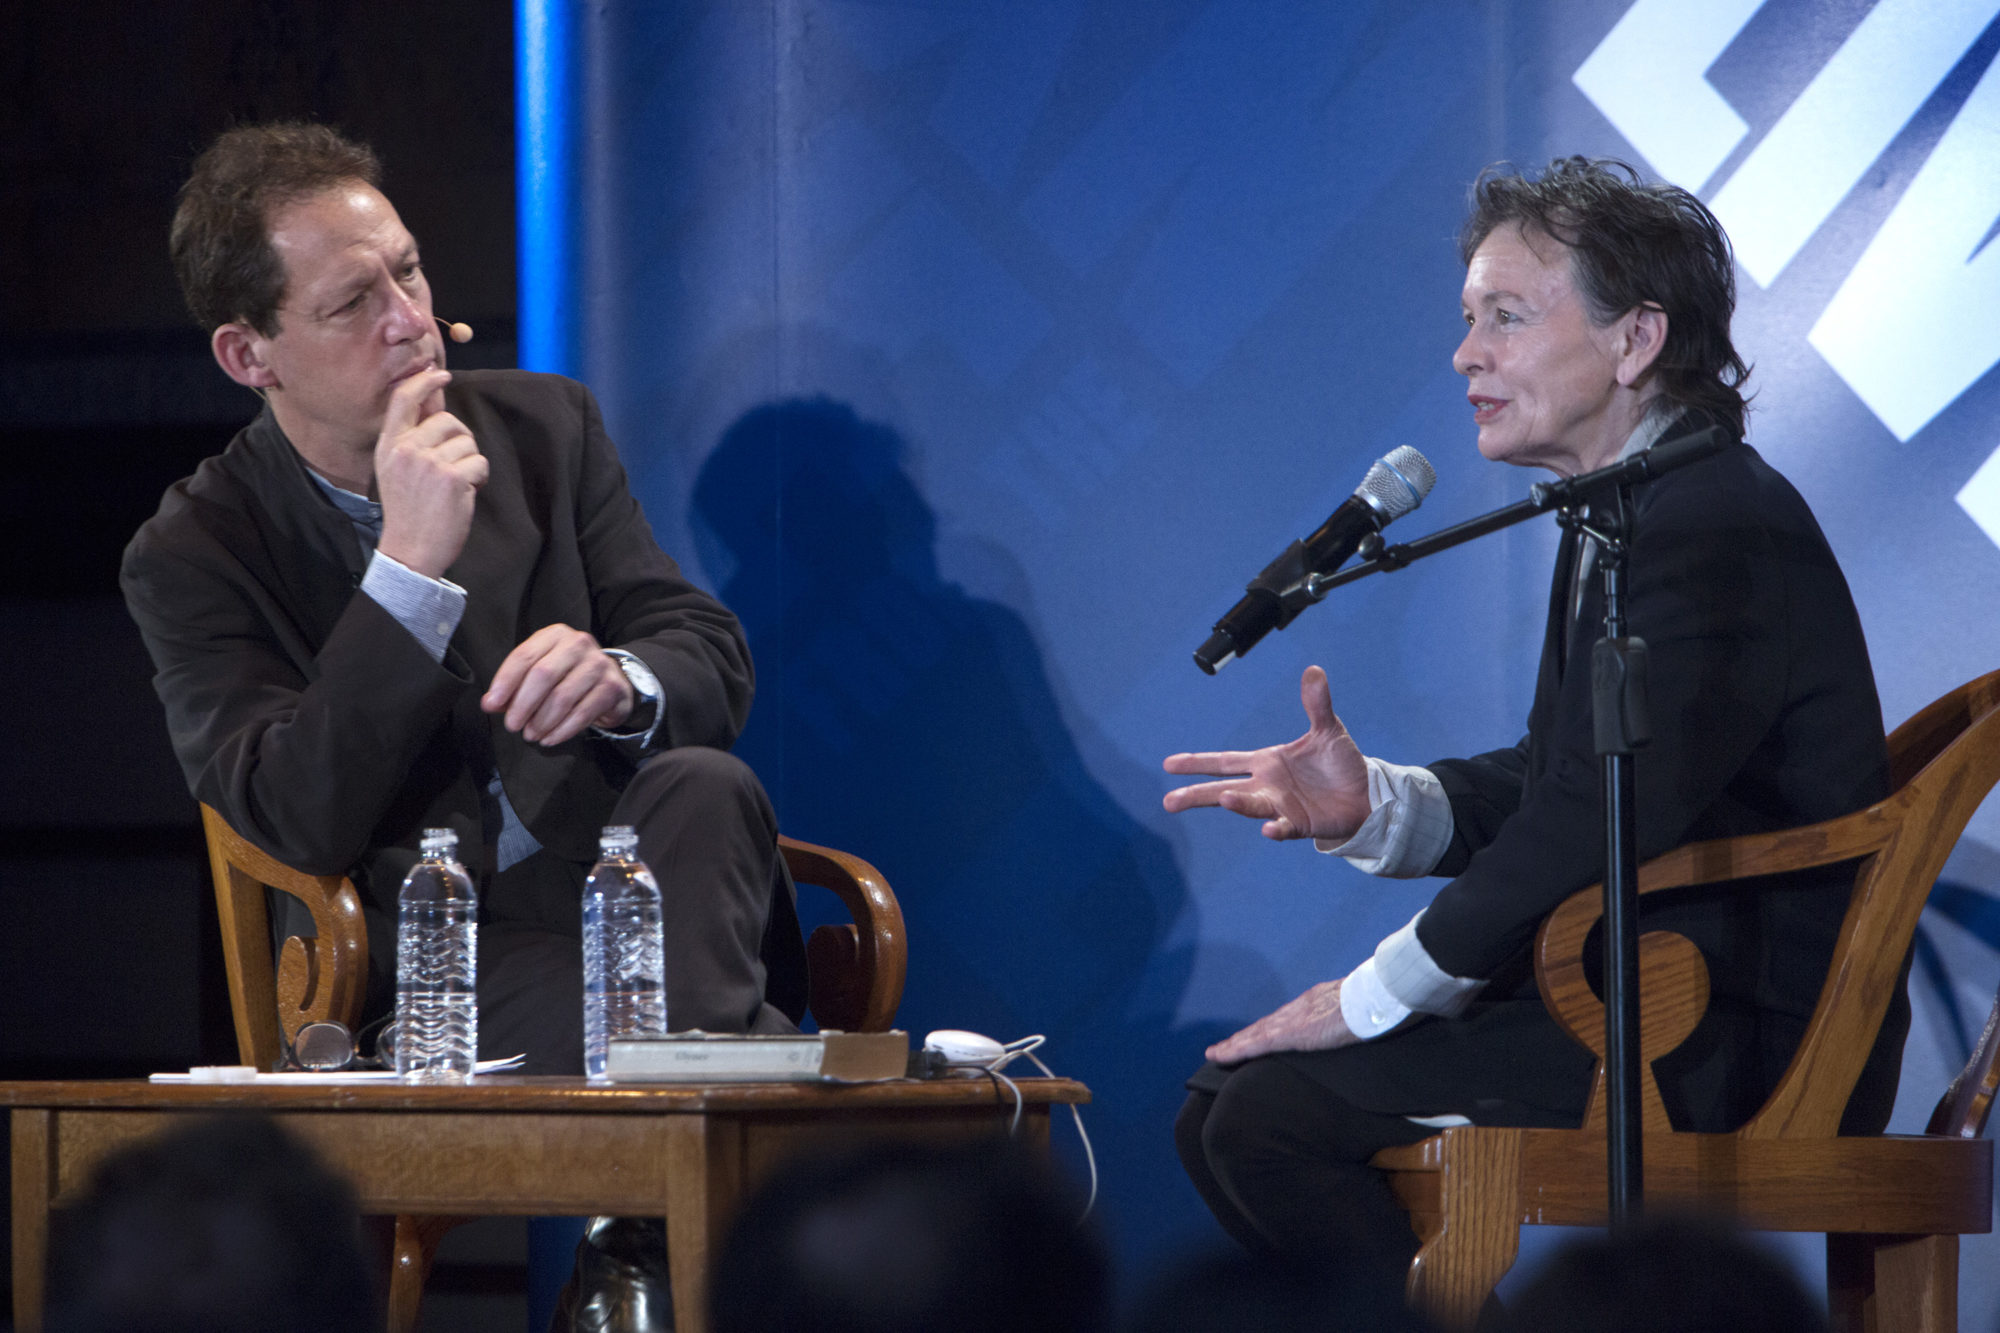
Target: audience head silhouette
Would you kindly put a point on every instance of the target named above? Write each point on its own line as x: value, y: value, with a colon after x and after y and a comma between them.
x: 899, y: 1237
x: 1239, y: 1293
x: 1665, y: 1276
x: 226, y: 1226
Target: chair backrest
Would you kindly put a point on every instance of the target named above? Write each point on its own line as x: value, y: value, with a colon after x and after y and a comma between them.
x: 1943, y: 762
x: 314, y: 980
x: 856, y: 971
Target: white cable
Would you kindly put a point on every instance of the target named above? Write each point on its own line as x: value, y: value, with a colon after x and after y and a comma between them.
x: 1014, y: 1050
x: 1013, y: 1087
x: 1076, y: 1115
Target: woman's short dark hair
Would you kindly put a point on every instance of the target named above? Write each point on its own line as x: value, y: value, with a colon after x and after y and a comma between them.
x: 1631, y: 245
x: 221, y: 241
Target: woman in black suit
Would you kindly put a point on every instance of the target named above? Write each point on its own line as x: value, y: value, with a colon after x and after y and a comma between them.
x: 1597, y: 317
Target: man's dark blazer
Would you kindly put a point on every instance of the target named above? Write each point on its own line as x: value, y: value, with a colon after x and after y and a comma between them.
x: 320, y: 728
x: 1764, y: 716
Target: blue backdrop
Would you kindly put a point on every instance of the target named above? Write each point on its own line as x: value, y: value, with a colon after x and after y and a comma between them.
x: 976, y: 352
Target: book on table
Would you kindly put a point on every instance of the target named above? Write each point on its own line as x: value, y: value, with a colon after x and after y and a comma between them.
x: 713, y: 1057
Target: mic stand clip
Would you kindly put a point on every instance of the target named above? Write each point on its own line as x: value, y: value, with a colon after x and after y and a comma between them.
x: 1373, y: 552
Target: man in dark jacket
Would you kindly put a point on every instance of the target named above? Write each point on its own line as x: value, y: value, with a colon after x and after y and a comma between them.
x: 404, y: 598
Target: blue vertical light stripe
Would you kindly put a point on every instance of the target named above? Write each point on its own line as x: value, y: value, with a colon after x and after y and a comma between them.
x: 542, y: 177
x: 542, y: 64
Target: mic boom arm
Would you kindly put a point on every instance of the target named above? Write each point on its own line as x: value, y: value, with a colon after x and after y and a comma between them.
x: 1542, y: 496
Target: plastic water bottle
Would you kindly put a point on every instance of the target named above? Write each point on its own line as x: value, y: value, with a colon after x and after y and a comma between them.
x: 437, y: 949
x: 624, y: 955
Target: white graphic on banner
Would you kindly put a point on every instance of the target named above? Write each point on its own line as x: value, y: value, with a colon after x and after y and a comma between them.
x: 1981, y: 497
x: 1913, y: 326
x: 1648, y: 77
x: 1910, y: 328
x: 1794, y: 179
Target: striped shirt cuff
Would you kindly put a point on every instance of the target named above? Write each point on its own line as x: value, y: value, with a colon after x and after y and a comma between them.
x: 428, y: 608
x: 1399, y: 980
x: 1408, y: 827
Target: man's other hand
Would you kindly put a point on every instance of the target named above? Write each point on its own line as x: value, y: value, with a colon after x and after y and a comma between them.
x: 558, y: 682
x: 1310, y: 1023
x: 428, y: 470
x: 1313, y: 787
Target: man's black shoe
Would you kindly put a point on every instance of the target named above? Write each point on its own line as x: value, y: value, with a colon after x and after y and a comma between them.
x: 619, y: 1284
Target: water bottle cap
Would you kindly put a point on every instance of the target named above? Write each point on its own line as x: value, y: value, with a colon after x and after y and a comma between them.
x: 440, y: 841
x: 619, y: 839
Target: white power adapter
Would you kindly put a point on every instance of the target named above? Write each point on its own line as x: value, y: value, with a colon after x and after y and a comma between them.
x: 957, y: 1047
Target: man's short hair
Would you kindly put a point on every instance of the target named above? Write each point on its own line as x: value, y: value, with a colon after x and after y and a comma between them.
x: 1630, y: 245
x: 221, y: 236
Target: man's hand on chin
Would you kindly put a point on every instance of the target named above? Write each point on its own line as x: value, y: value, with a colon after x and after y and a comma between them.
x: 1310, y: 1023
x: 428, y: 471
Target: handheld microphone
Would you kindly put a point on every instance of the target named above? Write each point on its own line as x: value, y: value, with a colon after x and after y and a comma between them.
x: 1396, y: 484
x: 460, y: 333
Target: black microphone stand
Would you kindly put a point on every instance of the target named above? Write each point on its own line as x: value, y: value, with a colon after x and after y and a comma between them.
x: 1620, y: 725
x: 1599, y: 505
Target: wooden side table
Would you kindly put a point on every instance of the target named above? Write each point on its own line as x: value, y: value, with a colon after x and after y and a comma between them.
x: 510, y: 1145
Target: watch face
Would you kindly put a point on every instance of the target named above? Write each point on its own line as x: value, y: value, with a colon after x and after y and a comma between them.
x: 641, y: 677
x: 638, y: 724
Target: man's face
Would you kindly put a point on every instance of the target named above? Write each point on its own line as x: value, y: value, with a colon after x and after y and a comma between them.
x: 1543, y: 380
x: 355, y: 320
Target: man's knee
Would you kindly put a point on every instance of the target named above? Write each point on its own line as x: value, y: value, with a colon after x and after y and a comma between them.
x: 697, y: 766
x: 698, y: 780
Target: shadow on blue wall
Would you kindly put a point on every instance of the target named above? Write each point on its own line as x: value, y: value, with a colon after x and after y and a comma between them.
x: 903, y: 719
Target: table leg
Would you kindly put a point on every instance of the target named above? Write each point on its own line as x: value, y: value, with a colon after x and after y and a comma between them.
x: 34, y: 1135
x: 704, y: 1184
x: 412, y: 1251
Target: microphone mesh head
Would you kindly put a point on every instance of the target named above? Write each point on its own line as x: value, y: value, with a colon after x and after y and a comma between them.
x: 1397, y: 483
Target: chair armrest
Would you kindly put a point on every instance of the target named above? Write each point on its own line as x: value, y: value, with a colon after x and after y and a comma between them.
x: 857, y: 971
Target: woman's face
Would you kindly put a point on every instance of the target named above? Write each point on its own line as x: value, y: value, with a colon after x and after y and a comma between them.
x: 1548, y: 387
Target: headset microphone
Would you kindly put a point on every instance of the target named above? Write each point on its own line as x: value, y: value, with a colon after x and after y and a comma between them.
x: 460, y: 333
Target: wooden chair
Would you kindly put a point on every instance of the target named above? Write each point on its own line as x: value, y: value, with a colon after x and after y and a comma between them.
x: 855, y: 974
x: 1892, y: 1206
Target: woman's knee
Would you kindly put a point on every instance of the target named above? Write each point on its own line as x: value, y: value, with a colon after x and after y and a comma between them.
x: 1247, y: 1118
x: 1269, y: 1111
x: 1188, y: 1129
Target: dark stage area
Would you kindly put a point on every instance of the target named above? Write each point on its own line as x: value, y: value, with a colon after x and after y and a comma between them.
x: 108, y: 395
x: 973, y: 354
